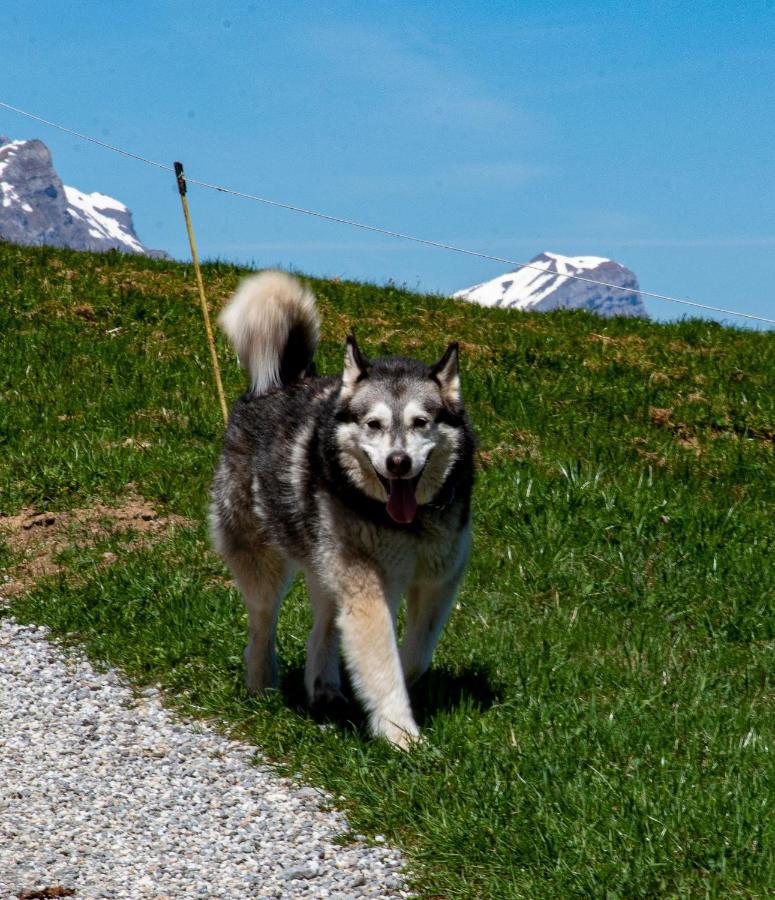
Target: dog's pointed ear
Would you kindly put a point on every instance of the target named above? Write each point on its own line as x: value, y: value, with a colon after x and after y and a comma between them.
x: 446, y: 374
x: 356, y: 366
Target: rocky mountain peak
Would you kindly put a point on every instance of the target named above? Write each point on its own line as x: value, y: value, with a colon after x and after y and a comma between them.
x: 548, y: 283
x: 37, y: 209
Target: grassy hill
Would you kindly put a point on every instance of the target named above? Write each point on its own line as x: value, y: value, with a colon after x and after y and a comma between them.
x: 599, y: 716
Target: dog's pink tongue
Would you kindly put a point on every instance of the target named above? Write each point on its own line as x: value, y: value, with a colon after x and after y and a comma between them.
x: 401, y: 505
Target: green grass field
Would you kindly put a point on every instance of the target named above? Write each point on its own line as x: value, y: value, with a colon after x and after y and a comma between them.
x: 599, y: 716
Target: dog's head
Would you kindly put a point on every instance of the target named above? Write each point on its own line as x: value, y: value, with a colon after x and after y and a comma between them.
x: 400, y: 427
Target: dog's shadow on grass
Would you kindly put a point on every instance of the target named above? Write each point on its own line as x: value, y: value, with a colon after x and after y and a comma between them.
x: 439, y: 691
x: 442, y: 691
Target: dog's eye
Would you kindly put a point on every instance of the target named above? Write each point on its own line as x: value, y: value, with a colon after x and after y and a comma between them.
x: 374, y: 425
x: 419, y: 422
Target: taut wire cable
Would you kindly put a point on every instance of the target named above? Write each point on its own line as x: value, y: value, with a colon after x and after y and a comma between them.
x: 384, y: 231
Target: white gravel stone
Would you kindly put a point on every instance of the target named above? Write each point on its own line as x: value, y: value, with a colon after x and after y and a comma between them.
x: 111, y: 795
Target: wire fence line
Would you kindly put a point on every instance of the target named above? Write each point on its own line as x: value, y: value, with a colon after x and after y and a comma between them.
x: 375, y: 229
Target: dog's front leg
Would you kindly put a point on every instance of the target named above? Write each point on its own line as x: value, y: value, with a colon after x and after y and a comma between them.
x: 430, y: 600
x: 367, y: 627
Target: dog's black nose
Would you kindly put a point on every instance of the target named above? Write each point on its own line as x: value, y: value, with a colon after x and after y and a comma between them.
x: 398, y: 463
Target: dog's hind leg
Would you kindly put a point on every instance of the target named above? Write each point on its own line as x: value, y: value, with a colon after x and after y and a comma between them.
x: 427, y: 610
x: 429, y: 602
x: 321, y: 675
x: 262, y: 577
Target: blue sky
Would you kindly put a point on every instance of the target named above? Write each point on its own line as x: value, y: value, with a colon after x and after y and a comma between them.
x: 639, y: 131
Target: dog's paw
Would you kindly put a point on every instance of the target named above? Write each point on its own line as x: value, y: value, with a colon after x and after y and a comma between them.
x: 260, y: 670
x: 402, y: 738
x: 257, y: 688
x: 326, y: 694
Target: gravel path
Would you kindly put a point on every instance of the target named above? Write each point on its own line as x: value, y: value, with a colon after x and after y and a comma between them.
x: 112, y: 796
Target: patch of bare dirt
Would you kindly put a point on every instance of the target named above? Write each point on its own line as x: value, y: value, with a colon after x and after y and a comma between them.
x: 663, y: 418
x: 687, y: 439
x: 39, y: 537
x: 654, y: 459
x: 56, y: 890
x: 522, y: 445
x: 632, y: 340
x: 630, y: 350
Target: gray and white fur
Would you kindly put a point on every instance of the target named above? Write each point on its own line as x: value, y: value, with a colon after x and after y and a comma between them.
x: 362, y: 481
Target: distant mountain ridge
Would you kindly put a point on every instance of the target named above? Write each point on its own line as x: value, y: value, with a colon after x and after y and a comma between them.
x: 548, y: 285
x: 37, y: 209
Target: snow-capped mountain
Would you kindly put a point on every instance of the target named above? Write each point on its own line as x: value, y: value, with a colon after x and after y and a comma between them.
x: 36, y: 208
x: 547, y: 285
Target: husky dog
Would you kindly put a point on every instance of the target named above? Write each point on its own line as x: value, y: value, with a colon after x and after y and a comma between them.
x: 362, y: 481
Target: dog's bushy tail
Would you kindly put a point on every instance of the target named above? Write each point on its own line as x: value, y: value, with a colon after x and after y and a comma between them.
x: 273, y: 324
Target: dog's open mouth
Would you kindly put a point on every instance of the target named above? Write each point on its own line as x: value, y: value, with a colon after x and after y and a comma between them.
x: 402, y: 503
